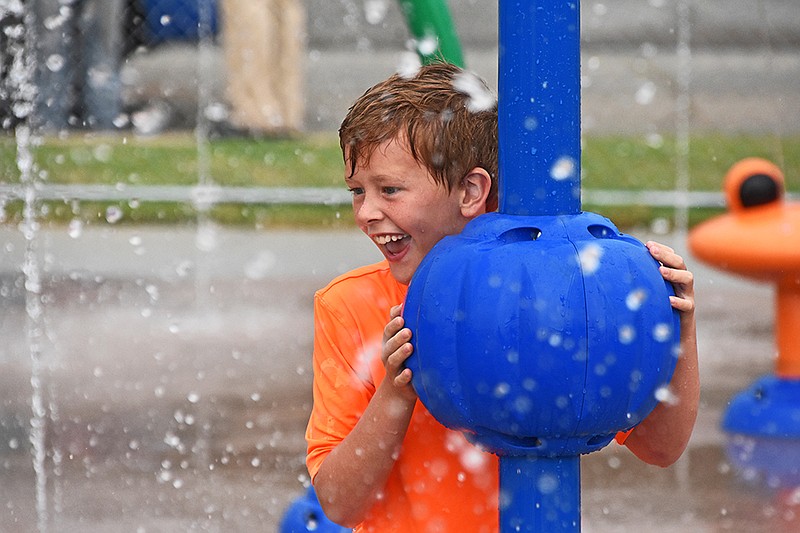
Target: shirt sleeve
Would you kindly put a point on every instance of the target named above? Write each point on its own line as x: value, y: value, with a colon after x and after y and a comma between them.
x: 342, y: 386
x: 622, y: 436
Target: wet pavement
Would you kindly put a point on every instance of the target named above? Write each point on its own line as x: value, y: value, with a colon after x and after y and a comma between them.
x: 174, y: 374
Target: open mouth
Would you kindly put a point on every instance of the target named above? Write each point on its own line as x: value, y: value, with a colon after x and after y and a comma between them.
x: 393, y: 245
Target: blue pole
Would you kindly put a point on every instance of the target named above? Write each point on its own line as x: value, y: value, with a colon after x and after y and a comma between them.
x: 540, y: 494
x: 539, y: 174
x: 539, y: 107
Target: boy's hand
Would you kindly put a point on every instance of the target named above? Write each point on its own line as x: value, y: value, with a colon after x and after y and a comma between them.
x: 673, y: 269
x: 396, y: 349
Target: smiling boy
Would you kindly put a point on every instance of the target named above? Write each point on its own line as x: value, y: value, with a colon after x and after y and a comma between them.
x: 421, y: 162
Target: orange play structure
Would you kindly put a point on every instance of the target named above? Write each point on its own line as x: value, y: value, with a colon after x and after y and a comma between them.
x: 760, y: 238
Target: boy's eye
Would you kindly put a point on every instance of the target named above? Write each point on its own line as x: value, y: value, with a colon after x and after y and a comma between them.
x: 390, y: 190
x: 355, y: 191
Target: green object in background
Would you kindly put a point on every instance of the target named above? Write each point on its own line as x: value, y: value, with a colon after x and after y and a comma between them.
x: 429, y: 21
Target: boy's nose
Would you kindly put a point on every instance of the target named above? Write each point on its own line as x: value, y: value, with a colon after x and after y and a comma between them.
x: 367, y: 211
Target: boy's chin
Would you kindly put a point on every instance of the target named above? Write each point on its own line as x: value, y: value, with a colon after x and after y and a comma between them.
x: 401, y: 274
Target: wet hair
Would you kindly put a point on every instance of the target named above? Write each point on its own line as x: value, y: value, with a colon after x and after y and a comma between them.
x: 447, y: 116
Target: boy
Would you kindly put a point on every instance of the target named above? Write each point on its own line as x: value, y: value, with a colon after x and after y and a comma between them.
x: 421, y: 162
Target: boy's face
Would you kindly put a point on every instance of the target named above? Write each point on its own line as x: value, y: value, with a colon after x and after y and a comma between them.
x: 401, y: 208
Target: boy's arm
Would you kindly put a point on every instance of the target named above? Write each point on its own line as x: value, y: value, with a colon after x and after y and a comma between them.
x: 661, y: 438
x: 354, y: 474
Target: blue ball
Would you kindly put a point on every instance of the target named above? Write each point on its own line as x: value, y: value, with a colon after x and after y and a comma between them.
x: 306, y: 515
x: 541, y: 335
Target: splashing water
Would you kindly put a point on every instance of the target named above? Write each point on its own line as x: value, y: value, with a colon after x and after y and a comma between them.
x: 427, y: 46
x: 665, y: 395
x: 589, y: 258
x: 635, y: 299
x: 408, y: 65
x: 23, y: 94
x: 564, y: 168
x: 375, y: 11
x: 480, y: 96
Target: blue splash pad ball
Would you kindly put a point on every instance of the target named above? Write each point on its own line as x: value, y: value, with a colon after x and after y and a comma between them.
x: 541, y: 335
x: 763, y: 423
x: 305, y: 514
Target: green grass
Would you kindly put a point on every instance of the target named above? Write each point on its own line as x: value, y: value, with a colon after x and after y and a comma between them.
x: 627, y: 163
x: 312, y: 161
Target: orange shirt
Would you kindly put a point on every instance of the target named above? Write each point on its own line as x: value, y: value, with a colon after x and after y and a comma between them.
x: 440, y: 481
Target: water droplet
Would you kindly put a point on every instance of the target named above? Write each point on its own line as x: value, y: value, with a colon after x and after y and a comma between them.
x: 660, y: 226
x: 547, y: 483
x: 184, y: 268
x: 427, y: 45
x: 206, y: 238
x: 523, y: 404
x: 480, y: 98
x: 472, y: 459
x: 589, y: 258
x: 103, y: 153
x: 51, y: 23
x: 627, y: 334
x: 662, y: 332
x: 564, y: 168
x: 501, y: 390
x: 121, y: 120
x: 55, y: 62
x: 636, y: 299
x: 646, y: 93
x: 665, y: 395
x: 375, y: 11
x: 555, y: 340
x: 113, y: 214
x: 75, y: 228
x: 654, y: 140
x: 408, y: 65
x: 531, y: 123
x: 562, y: 402
x: 259, y: 267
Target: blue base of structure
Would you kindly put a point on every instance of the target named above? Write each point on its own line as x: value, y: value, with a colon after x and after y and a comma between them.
x: 763, y: 422
x: 769, y: 408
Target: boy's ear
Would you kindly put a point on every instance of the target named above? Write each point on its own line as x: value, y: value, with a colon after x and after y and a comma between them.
x: 475, y: 186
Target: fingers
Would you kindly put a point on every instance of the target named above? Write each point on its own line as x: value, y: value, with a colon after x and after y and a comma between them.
x: 403, y: 379
x: 397, y: 349
x: 396, y: 343
x: 673, y: 269
x: 683, y: 305
x: 665, y: 255
x: 684, y: 278
x: 396, y: 311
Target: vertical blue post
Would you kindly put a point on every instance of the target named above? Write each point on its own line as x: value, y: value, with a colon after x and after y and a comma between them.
x: 540, y: 494
x: 539, y: 174
x: 539, y: 107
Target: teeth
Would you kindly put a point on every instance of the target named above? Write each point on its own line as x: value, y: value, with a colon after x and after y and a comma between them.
x: 383, y: 239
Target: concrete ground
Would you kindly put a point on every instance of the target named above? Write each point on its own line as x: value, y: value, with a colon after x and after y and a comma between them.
x: 173, y: 367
